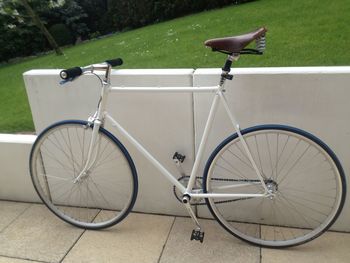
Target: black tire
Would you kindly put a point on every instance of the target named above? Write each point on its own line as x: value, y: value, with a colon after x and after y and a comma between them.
x: 298, y: 211
x: 99, y: 199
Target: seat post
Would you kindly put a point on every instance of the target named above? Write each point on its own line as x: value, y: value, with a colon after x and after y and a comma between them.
x: 227, y: 68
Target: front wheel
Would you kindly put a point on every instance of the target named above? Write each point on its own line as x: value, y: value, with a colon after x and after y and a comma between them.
x: 105, y: 192
x: 304, y: 176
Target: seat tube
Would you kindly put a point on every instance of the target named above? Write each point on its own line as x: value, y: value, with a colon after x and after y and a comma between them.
x: 203, y: 142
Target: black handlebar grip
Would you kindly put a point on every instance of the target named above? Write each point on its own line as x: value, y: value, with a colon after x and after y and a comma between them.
x: 115, y: 62
x: 71, y: 73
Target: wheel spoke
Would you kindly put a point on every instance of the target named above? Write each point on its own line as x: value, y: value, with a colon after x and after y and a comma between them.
x: 305, y: 186
x: 58, y: 157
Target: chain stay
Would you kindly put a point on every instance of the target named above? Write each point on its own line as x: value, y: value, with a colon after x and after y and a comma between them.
x: 214, y: 179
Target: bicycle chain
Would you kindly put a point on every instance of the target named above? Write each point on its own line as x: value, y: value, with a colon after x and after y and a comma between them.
x: 215, y: 179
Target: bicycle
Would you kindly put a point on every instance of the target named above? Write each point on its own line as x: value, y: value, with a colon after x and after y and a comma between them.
x: 269, y: 185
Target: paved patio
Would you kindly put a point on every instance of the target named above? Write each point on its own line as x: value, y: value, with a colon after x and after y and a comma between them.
x: 30, y: 233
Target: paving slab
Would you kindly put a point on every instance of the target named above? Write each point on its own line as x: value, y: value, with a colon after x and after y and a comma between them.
x: 218, y: 246
x: 9, y: 211
x: 330, y: 247
x: 138, y: 238
x: 16, y: 260
x: 38, y: 235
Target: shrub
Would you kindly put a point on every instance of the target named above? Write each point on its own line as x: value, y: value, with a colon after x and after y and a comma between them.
x: 61, y: 34
x: 135, y: 13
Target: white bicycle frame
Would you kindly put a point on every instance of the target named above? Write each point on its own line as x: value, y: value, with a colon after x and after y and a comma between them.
x: 101, y: 115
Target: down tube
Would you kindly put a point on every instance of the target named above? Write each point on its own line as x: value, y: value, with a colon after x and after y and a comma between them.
x: 141, y: 149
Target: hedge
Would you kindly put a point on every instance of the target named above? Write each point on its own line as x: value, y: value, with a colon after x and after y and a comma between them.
x: 126, y: 14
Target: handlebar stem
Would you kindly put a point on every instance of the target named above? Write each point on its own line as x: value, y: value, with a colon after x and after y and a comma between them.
x: 108, y: 74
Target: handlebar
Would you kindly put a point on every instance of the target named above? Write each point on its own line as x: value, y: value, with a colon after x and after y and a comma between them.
x: 71, y: 73
x: 115, y: 62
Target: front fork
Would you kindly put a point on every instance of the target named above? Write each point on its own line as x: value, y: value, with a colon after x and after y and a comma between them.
x: 97, y: 121
x: 93, y: 150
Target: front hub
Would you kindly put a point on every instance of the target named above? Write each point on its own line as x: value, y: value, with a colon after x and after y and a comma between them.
x: 83, y: 177
x: 272, y: 187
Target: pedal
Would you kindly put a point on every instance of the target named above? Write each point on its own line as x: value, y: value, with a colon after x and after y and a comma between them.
x: 178, y: 160
x: 197, y: 235
x: 179, y: 157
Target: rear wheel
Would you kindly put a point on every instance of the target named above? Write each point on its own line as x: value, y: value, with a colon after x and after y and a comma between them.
x: 304, y: 175
x: 103, y: 196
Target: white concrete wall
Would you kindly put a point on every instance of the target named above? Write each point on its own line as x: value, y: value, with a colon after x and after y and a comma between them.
x: 314, y: 99
x: 163, y: 122
x: 15, y: 182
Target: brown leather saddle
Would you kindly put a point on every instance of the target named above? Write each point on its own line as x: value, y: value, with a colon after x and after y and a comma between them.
x: 235, y: 44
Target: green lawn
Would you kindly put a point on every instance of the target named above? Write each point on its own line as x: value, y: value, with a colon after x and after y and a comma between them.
x: 301, y: 33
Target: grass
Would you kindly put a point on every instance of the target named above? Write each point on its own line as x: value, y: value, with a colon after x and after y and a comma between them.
x: 301, y: 33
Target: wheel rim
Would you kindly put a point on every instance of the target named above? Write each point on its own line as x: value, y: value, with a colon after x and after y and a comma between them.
x: 297, y: 213
x: 102, y: 196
